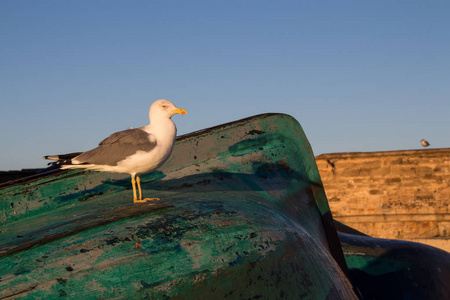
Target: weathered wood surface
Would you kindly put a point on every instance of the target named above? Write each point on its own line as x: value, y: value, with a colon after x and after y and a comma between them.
x: 242, y: 215
x: 395, y: 269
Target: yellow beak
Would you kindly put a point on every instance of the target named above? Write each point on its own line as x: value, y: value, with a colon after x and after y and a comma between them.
x: 179, y: 111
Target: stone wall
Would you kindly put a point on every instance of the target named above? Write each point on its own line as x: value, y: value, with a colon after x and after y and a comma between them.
x: 395, y: 194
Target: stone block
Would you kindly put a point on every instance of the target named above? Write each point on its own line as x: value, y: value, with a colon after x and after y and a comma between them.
x: 444, y: 229
x: 393, y: 180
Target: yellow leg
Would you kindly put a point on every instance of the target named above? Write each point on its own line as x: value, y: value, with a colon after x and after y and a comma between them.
x: 133, y: 183
x: 138, y: 181
x: 139, y: 186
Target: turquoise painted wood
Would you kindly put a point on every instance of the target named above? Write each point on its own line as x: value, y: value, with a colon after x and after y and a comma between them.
x: 242, y: 214
x: 395, y: 269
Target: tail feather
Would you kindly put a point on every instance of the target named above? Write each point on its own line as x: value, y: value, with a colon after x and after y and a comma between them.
x: 62, y: 159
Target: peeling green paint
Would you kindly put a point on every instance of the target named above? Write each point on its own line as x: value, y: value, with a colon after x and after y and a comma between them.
x: 375, y: 265
x: 396, y: 269
x: 237, y: 218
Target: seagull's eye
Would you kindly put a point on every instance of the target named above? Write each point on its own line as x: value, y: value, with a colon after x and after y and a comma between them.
x: 164, y: 106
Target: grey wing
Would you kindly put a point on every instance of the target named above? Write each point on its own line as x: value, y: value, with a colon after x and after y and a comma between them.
x: 132, y: 136
x: 117, y: 147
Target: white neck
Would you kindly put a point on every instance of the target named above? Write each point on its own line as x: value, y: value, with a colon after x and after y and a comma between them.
x: 162, y: 128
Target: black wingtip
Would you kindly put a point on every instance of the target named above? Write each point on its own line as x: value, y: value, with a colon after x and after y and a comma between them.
x: 61, y: 159
x: 62, y: 156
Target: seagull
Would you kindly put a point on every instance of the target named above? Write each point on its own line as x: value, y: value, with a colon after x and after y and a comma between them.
x: 425, y: 143
x: 133, y: 151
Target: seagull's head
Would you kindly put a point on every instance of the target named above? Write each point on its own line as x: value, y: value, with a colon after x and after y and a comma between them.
x: 164, y: 108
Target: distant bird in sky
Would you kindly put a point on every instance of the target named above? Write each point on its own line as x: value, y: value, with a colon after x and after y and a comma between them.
x: 425, y: 143
x: 133, y: 151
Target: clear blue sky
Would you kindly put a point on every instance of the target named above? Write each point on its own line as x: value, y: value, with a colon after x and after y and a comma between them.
x: 357, y: 75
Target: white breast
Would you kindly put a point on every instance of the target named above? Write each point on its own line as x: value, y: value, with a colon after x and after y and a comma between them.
x: 164, y: 131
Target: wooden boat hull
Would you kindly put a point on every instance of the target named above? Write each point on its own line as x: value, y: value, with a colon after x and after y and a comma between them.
x: 396, y: 269
x: 242, y: 214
